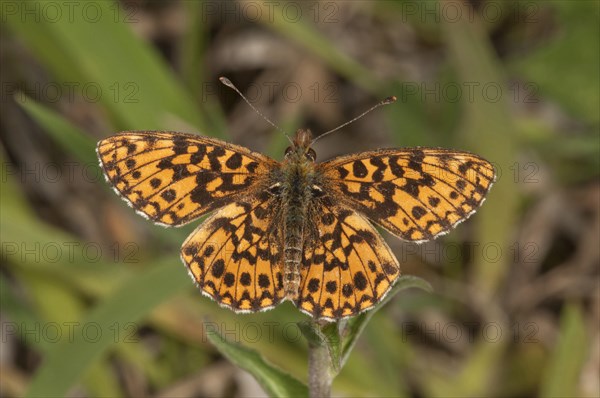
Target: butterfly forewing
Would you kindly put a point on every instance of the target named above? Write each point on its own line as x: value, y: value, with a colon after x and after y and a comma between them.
x: 173, y: 178
x: 348, y: 269
x: 415, y: 193
x: 233, y: 257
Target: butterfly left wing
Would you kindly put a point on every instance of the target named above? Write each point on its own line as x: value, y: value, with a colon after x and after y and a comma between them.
x: 347, y: 269
x: 235, y: 258
x: 415, y: 193
x: 172, y: 178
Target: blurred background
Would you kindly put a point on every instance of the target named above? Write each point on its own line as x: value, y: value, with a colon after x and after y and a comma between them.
x: 95, y: 300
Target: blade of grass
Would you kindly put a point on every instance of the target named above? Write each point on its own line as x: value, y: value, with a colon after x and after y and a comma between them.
x: 489, y: 131
x: 193, y: 67
x: 54, y: 307
x: 61, y: 307
x: 563, y: 370
x: 69, y: 137
x: 71, y: 274
x: 131, y: 302
x: 301, y: 32
x: 356, y: 325
x: 139, y: 92
x: 274, y: 381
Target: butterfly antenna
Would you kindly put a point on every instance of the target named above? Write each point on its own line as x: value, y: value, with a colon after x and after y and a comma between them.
x: 386, y: 101
x: 229, y: 84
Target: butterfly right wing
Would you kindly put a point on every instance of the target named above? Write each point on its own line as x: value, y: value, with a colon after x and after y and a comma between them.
x: 235, y: 256
x: 172, y: 178
x: 415, y: 193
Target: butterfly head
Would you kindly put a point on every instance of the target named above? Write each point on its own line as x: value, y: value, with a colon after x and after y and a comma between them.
x: 300, y: 148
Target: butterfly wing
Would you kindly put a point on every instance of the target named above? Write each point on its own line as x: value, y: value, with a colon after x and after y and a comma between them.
x: 347, y: 269
x: 172, y: 178
x: 235, y: 258
x: 415, y: 193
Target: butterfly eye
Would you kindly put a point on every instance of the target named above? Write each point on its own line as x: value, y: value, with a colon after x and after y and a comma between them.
x: 311, y: 154
x: 288, y: 150
x: 316, y: 191
x: 275, y: 189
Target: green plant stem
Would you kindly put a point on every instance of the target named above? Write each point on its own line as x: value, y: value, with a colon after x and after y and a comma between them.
x: 319, y: 375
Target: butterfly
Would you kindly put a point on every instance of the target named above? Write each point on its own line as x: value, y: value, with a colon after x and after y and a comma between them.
x: 293, y: 230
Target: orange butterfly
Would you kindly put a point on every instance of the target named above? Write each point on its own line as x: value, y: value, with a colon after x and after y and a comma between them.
x: 293, y: 230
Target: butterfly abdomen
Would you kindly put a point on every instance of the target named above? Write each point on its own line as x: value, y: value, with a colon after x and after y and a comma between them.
x: 296, y: 198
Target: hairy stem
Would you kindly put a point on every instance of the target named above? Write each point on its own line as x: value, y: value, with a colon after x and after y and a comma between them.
x: 319, y: 375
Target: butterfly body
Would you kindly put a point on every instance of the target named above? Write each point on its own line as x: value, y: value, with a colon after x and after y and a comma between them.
x: 293, y: 230
x: 296, y: 195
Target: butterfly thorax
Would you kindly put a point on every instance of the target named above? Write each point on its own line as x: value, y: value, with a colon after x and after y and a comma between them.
x: 297, y: 195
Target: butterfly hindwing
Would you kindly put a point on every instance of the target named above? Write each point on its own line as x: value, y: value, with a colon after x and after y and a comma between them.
x: 415, y: 193
x: 348, y: 269
x: 172, y: 178
x: 234, y: 258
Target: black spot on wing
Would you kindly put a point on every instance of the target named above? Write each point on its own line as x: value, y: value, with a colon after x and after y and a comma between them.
x: 434, y: 201
x: 155, y: 183
x: 396, y: 169
x: 418, y: 212
x: 359, y: 169
x: 263, y: 281
x: 411, y: 187
x: 245, y: 279
x: 360, y: 281
x: 234, y: 161
x: 380, y: 168
x: 229, y: 279
x: 217, y: 268
x: 331, y: 287
x: 313, y: 285
x: 169, y: 195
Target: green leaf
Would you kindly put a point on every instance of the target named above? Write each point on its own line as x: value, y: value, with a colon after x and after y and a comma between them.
x: 273, y: 380
x: 113, y: 319
x: 356, y: 325
x: 311, y: 332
